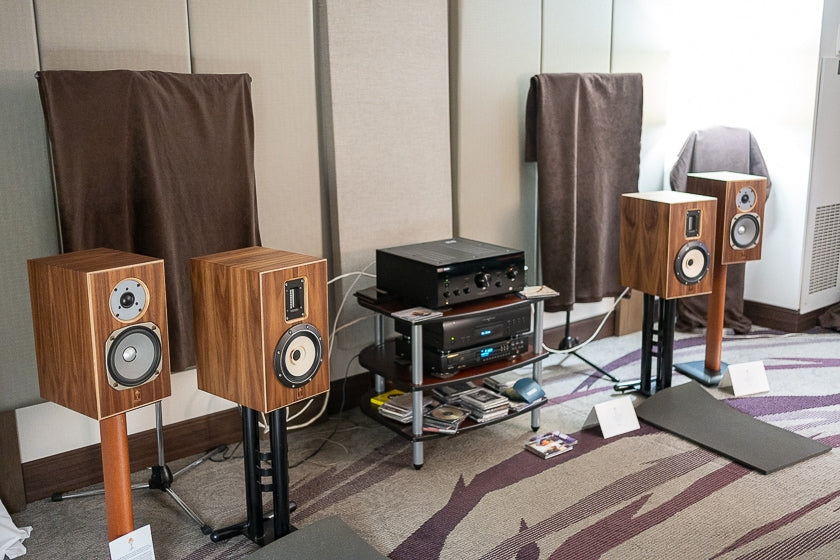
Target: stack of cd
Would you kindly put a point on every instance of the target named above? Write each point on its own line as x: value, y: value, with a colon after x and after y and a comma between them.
x: 445, y: 418
x: 485, y: 405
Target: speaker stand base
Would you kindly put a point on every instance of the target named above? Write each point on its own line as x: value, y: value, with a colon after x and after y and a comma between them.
x: 275, y: 465
x: 657, y: 342
x: 161, y: 478
x: 700, y: 373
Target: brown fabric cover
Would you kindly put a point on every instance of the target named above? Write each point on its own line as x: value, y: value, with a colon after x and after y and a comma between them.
x: 719, y: 148
x: 154, y: 163
x: 584, y: 131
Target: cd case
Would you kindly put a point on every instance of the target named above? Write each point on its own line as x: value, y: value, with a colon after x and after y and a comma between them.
x: 550, y: 444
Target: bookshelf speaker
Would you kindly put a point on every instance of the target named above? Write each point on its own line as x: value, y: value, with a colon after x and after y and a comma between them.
x: 666, y: 242
x: 101, y: 338
x: 740, y: 212
x: 261, y: 324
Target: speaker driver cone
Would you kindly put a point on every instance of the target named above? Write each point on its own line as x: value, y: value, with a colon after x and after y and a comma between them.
x: 744, y: 230
x: 692, y: 262
x: 133, y: 355
x: 298, y: 355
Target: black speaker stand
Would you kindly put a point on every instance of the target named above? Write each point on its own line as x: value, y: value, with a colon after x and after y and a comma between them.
x: 570, y: 342
x: 277, y: 468
x: 160, y: 479
x: 656, y: 343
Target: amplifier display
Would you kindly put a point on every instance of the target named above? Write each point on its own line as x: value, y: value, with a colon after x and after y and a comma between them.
x: 450, y: 271
x: 446, y: 364
x: 470, y: 330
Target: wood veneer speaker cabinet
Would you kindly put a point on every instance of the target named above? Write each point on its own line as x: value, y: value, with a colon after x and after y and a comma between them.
x: 101, y: 338
x: 740, y: 212
x: 666, y: 244
x: 261, y: 326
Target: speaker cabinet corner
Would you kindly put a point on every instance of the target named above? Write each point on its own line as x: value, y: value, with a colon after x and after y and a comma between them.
x: 666, y: 243
x: 261, y: 326
x: 740, y: 212
x: 101, y: 334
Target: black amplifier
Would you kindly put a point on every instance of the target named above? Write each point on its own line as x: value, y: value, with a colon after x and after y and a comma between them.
x: 446, y: 364
x: 450, y: 271
x: 465, y: 331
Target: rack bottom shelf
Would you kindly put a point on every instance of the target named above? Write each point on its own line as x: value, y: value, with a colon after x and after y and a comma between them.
x: 469, y: 424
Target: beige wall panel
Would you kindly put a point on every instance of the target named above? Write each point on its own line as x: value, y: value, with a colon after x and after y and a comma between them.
x: 110, y: 34
x: 642, y: 43
x: 385, y: 105
x: 576, y: 36
x: 27, y: 213
x: 495, y: 52
x: 274, y: 43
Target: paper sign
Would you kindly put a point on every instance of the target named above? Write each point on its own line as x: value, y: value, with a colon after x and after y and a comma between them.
x: 136, y: 545
x: 745, y: 379
x: 615, y: 416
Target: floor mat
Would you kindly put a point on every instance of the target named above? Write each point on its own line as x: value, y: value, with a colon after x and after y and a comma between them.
x: 689, y: 411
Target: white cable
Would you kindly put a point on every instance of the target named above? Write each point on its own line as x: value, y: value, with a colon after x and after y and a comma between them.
x: 597, y: 330
x: 335, y: 329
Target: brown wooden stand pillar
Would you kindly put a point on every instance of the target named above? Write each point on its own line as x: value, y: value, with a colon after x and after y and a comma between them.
x: 710, y: 372
x: 714, y: 318
x: 116, y: 471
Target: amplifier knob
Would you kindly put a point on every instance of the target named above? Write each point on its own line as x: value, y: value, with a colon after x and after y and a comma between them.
x: 512, y: 273
x: 482, y: 280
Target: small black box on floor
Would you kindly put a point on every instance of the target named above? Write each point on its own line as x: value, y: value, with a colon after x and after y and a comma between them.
x: 327, y: 539
x: 449, y: 271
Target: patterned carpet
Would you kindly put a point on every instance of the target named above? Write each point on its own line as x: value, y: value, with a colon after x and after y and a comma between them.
x: 646, y: 494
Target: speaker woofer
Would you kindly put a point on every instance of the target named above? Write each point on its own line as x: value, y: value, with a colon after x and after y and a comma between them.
x: 744, y: 231
x: 298, y: 355
x: 692, y: 262
x: 133, y: 355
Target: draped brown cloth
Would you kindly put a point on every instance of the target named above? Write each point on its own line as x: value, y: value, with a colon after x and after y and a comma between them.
x: 584, y: 131
x: 154, y: 163
x: 719, y: 148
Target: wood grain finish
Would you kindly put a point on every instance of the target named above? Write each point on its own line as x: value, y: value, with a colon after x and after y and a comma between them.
x: 239, y: 310
x: 725, y: 187
x: 72, y: 321
x: 653, y: 230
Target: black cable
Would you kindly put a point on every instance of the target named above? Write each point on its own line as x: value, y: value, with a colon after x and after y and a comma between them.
x: 338, y: 418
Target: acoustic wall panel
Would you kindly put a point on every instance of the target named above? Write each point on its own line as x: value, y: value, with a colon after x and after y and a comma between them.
x: 27, y: 213
x: 385, y: 108
x: 112, y: 34
x: 273, y: 42
x: 495, y: 51
x: 576, y: 36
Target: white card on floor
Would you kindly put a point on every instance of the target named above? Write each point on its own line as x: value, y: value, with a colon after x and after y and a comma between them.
x: 136, y: 545
x: 745, y: 379
x: 615, y: 416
